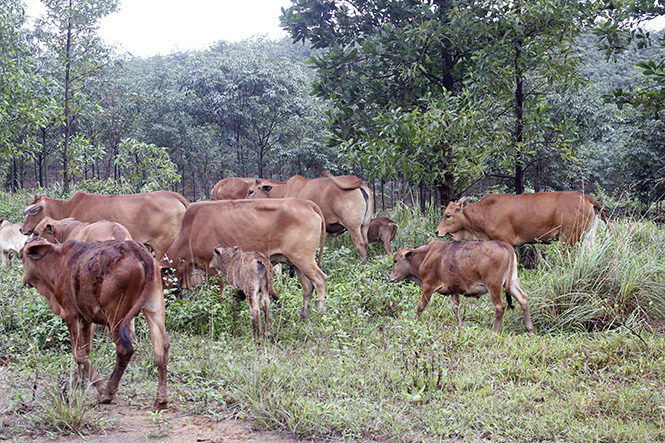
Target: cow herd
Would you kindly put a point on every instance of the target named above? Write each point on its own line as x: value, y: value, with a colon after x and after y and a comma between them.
x: 86, y: 255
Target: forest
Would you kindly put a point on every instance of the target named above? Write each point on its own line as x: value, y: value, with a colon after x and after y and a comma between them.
x: 427, y: 101
x: 419, y: 98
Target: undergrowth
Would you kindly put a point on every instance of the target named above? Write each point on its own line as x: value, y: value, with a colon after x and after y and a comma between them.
x: 365, y: 369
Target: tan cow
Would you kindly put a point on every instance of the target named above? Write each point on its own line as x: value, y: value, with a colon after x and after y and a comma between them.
x: 152, y: 218
x: 284, y: 230
x: 57, y: 231
x: 251, y: 272
x: 231, y: 188
x: 105, y: 283
x: 523, y: 218
x: 469, y: 268
x: 384, y: 230
x: 11, y: 240
x: 346, y: 202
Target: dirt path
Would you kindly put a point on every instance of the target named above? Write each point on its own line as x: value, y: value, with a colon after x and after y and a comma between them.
x: 135, y: 425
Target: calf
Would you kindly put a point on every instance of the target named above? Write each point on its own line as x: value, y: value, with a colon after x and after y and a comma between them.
x: 251, y: 272
x: 57, y: 231
x: 382, y: 229
x: 105, y: 283
x: 471, y: 268
x: 11, y: 240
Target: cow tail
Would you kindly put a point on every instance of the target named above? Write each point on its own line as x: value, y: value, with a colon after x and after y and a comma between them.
x: 323, y: 232
x: 148, y: 264
x: 597, y: 205
x: 512, y: 274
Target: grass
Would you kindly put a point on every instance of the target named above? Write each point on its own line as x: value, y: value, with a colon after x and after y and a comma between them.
x: 367, y: 370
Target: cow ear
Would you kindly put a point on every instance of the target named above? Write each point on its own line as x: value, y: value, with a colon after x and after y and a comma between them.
x: 67, y: 221
x: 37, y: 251
x: 463, y: 202
x: 33, y: 209
x: 235, y: 248
x: 266, y: 188
x: 49, y: 228
x: 409, y: 254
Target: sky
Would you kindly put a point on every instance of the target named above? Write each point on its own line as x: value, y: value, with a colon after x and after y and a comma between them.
x: 149, y: 27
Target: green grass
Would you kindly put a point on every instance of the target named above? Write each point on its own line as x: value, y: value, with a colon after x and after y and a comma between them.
x: 368, y: 370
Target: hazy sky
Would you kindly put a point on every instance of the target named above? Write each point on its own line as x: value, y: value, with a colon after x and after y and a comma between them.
x: 149, y: 27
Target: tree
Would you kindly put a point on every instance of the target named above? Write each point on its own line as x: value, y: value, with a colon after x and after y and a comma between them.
x: 69, y: 31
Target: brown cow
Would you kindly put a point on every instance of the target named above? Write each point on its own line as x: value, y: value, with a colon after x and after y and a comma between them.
x: 284, y: 230
x: 251, y: 272
x: 57, y: 231
x: 470, y: 268
x: 523, y: 218
x: 346, y: 202
x: 384, y: 230
x: 152, y: 218
x: 231, y: 188
x: 105, y: 283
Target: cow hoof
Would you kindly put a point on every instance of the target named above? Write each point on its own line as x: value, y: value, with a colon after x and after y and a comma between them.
x: 106, y: 398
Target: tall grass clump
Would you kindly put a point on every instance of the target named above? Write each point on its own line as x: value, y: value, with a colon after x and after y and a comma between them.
x: 619, y: 281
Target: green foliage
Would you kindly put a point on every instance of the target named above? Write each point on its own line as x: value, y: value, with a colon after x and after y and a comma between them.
x: 145, y: 167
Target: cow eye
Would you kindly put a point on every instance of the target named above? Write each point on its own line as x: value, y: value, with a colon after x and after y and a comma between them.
x: 447, y: 215
x: 250, y: 193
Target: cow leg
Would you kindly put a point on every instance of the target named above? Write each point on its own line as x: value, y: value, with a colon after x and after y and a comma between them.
x: 80, y: 333
x: 499, y: 306
x: 360, y: 243
x: 307, y: 290
x: 455, y: 298
x: 515, y: 290
x: 160, y: 348
x: 424, y: 300
x: 124, y: 351
x: 311, y: 278
x: 3, y: 258
x: 385, y: 239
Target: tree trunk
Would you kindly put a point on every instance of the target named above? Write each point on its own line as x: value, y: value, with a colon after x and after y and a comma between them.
x: 519, y: 120
x: 68, y: 121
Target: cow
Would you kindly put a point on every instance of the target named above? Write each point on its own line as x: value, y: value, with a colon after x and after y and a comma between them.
x: 470, y: 268
x: 251, y: 272
x: 523, y: 218
x: 105, y: 283
x: 231, y: 188
x: 151, y: 218
x: 382, y: 229
x: 57, y: 231
x: 346, y: 202
x: 11, y: 240
x: 284, y: 230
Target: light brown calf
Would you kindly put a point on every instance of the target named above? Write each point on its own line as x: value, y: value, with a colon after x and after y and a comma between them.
x: 384, y: 230
x: 105, y: 283
x: 57, y: 231
x: 469, y: 268
x: 251, y: 272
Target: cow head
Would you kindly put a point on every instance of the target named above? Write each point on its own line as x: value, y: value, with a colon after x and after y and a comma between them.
x: 47, y: 227
x: 453, y: 218
x: 259, y: 189
x: 32, y: 252
x: 34, y: 214
x: 404, y: 266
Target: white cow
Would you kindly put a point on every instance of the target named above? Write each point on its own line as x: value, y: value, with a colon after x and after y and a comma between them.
x: 11, y: 240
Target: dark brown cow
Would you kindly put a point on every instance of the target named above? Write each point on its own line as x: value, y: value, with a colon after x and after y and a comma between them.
x: 384, y: 230
x: 105, y: 283
x: 251, y: 272
x: 523, y: 218
x: 284, y: 230
x: 57, y: 231
x: 152, y: 218
x: 468, y: 268
x: 231, y: 188
x: 346, y: 202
